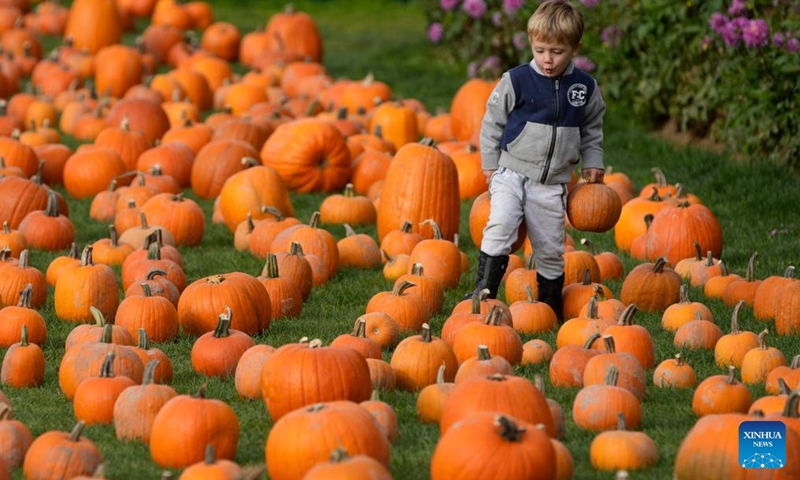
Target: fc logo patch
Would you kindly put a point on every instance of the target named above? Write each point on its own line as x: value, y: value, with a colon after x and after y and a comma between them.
x: 762, y: 444
x: 576, y: 95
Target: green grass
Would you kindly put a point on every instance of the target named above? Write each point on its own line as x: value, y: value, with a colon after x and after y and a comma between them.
x: 756, y: 206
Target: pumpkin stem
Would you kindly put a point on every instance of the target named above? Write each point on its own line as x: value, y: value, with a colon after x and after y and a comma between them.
x: 762, y: 340
x: 626, y: 318
x: 735, y: 317
x: 679, y: 360
x: 314, y: 220
x: 23, y: 336
x: 509, y: 430
x: 731, y: 375
x: 75, y: 434
x: 495, y: 316
x: 608, y: 341
x: 530, y: 262
x: 348, y: 230
x: 339, y: 455
x: 154, y: 273
x: 112, y: 234
x: 590, y: 245
x: 790, y: 407
x: 483, y: 353
x: 590, y: 341
x: 315, y: 343
x: 476, y: 303
x: 51, y: 209
x: 789, y: 272
x: 24, y: 256
x: 684, y: 294
x: 587, y: 277
x: 426, y: 333
x: 751, y: 267
x: 148, y: 377
x: 25, y: 296
x: 210, y: 458
x: 612, y: 375
x: 440, y: 375
x: 418, y: 270
x: 529, y: 293
x: 406, y: 228
x: 402, y: 287
x: 538, y: 382
x: 97, y: 315
x: 277, y: 213
x: 660, y: 264
x: 224, y: 324
x: 143, y: 341
x: 296, y: 249
x: 5, y: 412
x: 107, y: 370
x: 437, y: 232
x: 661, y: 179
x: 698, y: 252
x: 201, y: 393
x: 271, y: 267
x: 795, y: 362
x: 360, y: 329
x: 86, y: 256
x: 621, y: 421
x: 783, y: 387
x: 427, y: 141
x: 591, y: 308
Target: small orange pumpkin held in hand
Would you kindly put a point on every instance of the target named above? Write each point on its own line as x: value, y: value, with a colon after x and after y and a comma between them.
x: 593, y: 207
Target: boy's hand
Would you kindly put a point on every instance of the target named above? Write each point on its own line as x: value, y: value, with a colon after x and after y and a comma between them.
x: 488, y: 174
x: 592, y: 175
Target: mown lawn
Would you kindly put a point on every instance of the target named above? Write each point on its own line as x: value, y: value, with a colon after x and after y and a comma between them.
x: 755, y: 204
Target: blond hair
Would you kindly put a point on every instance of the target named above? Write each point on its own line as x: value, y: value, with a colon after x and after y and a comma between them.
x: 556, y: 21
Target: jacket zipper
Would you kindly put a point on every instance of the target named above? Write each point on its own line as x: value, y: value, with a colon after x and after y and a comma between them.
x: 552, y: 136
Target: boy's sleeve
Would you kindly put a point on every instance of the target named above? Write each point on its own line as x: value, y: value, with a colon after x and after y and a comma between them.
x: 499, y: 105
x: 592, y: 131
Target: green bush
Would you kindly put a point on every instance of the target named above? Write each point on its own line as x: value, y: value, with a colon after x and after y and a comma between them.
x: 725, y: 70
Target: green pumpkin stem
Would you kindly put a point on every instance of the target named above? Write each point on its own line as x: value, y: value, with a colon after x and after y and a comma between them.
x: 107, y: 370
x: 149, y: 375
x: 224, y: 324
x: 75, y: 434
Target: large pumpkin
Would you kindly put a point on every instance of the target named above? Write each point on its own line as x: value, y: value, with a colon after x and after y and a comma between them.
x: 93, y: 24
x: 674, y: 230
x: 310, y: 154
x: 421, y: 183
x: 469, y: 107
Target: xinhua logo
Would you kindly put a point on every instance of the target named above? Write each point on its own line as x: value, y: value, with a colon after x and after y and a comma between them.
x: 762, y: 444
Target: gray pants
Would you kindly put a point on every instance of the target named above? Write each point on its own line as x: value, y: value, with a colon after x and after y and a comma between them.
x: 515, y: 197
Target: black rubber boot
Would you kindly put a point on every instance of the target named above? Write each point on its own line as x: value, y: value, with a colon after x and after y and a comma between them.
x: 550, y: 293
x: 490, y: 273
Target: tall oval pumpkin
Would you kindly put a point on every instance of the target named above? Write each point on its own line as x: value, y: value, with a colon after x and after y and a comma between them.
x: 93, y: 24
x: 421, y: 183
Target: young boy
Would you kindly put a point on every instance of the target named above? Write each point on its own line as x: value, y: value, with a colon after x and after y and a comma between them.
x: 540, y: 119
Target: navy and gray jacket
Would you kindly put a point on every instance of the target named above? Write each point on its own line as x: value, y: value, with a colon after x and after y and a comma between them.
x: 541, y: 126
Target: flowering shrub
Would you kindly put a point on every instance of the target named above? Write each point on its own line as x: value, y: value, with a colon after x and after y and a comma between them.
x: 726, y: 69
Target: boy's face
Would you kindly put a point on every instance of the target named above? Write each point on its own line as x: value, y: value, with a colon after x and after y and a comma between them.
x: 552, y: 58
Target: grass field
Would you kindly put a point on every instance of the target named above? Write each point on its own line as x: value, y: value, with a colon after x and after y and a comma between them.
x: 755, y: 204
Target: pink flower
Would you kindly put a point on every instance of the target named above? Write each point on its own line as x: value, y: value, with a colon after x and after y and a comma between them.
x: 497, y: 19
x: 756, y: 33
x: 448, y: 5
x: 511, y: 6
x: 520, y: 41
x: 474, y: 8
x: 590, y: 3
x: 435, y: 32
x: 737, y: 8
x: 779, y: 39
x: 718, y: 22
x: 584, y: 63
x: 610, y: 35
x: 793, y: 45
